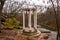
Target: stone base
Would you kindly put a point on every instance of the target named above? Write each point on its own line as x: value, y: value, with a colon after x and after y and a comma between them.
x: 43, y: 36
x: 29, y: 30
x: 29, y: 33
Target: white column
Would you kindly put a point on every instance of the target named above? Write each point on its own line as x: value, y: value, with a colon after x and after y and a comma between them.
x: 35, y: 24
x: 35, y: 20
x: 29, y: 20
x: 23, y: 20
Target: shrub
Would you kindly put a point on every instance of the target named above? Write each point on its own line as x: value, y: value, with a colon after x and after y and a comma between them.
x: 12, y: 23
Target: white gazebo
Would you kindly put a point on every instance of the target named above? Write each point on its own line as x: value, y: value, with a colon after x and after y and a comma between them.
x: 30, y: 10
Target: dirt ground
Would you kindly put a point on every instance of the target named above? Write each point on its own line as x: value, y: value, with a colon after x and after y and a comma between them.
x: 14, y: 34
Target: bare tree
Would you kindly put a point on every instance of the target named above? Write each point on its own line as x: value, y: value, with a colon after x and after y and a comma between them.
x: 55, y: 4
x: 1, y: 6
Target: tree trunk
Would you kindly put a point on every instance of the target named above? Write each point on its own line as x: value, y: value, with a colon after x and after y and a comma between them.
x: 1, y: 7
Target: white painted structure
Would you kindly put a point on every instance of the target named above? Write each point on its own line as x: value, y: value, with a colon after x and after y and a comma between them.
x: 30, y: 11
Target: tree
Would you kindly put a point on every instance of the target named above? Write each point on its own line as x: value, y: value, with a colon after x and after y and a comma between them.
x: 56, y: 16
x: 1, y: 6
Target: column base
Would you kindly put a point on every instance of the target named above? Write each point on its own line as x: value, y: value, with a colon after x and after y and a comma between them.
x: 32, y: 32
x: 29, y: 30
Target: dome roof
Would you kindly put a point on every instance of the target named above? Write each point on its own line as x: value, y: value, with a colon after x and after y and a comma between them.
x: 28, y: 7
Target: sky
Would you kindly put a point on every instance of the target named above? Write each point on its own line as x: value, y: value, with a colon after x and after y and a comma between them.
x: 31, y: 2
x: 36, y: 2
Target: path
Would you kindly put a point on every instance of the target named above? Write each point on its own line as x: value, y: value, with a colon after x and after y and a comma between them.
x: 52, y: 34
